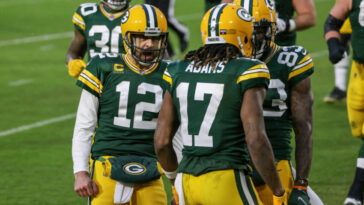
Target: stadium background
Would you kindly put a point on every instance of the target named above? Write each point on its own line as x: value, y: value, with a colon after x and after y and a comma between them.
x: 38, y: 101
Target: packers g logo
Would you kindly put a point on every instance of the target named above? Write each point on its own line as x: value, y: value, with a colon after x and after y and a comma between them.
x: 134, y: 168
x: 243, y: 14
x: 270, y: 4
x: 125, y: 17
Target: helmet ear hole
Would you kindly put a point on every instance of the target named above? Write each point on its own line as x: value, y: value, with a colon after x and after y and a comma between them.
x: 246, y: 40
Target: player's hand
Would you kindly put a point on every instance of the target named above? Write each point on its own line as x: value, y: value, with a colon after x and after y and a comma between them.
x: 175, y: 200
x: 336, y: 50
x: 75, y: 67
x: 280, y: 200
x: 281, y: 25
x: 84, y: 186
x: 299, y: 197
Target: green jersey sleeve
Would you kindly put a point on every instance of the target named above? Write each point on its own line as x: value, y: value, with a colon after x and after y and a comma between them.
x: 303, y: 67
x: 79, y: 17
x: 90, y: 77
x: 256, y: 75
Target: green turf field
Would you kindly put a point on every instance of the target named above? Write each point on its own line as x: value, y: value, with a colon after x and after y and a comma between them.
x: 38, y: 101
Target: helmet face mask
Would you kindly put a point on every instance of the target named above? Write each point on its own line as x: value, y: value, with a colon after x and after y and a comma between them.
x: 262, y: 36
x: 146, y: 56
x: 144, y: 31
x: 263, y: 11
x: 117, y: 5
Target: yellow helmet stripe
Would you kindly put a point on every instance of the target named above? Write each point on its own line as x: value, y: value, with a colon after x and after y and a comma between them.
x: 214, y: 20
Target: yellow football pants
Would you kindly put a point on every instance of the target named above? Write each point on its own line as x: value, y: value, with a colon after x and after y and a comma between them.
x: 151, y: 193
x: 355, y: 99
x: 231, y: 187
x: 286, y: 176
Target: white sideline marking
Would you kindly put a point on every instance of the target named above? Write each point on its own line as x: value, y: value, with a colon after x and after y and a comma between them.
x: 36, y: 39
x: 319, y: 53
x: 20, y: 82
x: 37, y: 124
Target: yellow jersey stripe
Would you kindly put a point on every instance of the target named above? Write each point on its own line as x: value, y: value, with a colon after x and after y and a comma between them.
x: 275, y: 49
x: 110, y: 16
x: 258, y: 67
x: 78, y: 20
x: 136, y: 69
x: 253, y: 75
x: 167, y: 79
x: 300, y: 70
x: 306, y: 58
x: 89, y: 84
x: 92, y: 77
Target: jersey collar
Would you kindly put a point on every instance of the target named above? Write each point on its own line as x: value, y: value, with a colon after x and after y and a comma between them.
x: 110, y: 16
x: 273, y: 50
x: 136, y: 69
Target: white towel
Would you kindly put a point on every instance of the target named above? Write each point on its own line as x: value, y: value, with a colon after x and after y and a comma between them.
x: 123, y: 193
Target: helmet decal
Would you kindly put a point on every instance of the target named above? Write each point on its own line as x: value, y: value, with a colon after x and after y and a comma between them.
x: 270, y: 4
x: 243, y: 14
x: 125, y: 17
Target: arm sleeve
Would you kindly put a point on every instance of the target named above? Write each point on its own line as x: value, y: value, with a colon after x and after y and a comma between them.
x: 85, y: 125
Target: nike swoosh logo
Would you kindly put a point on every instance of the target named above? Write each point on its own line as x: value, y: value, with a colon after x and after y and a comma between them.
x: 303, y: 201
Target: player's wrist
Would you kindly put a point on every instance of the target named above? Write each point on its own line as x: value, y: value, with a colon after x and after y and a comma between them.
x: 290, y: 25
x: 171, y: 175
x: 301, y: 183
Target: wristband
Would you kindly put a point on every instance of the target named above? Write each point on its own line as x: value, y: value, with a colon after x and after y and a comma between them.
x: 290, y: 25
x: 170, y: 175
x: 300, y: 187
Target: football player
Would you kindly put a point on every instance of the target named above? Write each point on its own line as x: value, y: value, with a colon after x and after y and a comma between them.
x: 338, y: 94
x: 287, y: 105
x: 355, y: 96
x: 216, y: 97
x: 117, y: 113
x: 97, y: 31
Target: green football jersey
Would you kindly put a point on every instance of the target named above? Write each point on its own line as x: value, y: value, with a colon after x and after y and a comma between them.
x: 129, y: 103
x: 100, y: 28
x: 287, y: 67
x: 285, y: 10
x: 357, y: 24
x: 208, y: 103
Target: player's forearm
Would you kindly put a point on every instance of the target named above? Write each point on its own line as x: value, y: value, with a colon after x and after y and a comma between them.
x: 301, y: 108
x: 305, y: 21
x: 303, y: 156
x: 86, y: 120
x: 164, y: 148
x: 262, y: 156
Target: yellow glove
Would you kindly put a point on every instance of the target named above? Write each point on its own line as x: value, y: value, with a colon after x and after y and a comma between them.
x: 75, y: 67
x: 280, y: 200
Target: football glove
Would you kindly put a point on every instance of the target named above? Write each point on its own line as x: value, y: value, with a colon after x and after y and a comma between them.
x: 336, y: 50
x: 299, y: 197
x: 280, y: 200
x: 75, y: 67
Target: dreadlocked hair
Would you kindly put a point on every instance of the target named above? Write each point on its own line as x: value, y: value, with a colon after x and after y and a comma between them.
x: 212, y: 53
